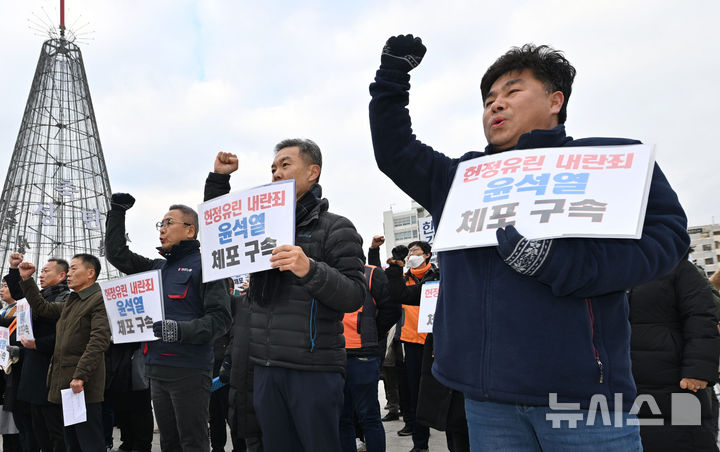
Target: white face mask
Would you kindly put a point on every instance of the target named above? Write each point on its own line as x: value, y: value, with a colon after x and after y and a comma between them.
x: 415, y: 261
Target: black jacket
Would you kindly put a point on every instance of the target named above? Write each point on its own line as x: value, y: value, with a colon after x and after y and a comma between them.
x: 241, y: 414
x: 296, y: 323
x: 674, y: 336
x: 32, y: 387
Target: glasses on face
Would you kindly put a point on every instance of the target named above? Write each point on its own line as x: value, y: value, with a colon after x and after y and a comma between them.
x: 169, y: 221
x: 416, y: 251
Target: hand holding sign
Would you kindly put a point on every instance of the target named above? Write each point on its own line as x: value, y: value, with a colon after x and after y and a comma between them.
x: 290, y: 257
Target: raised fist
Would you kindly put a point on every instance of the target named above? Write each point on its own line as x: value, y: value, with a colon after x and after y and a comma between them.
x: 400, y: 252
x: 121, y: 201
x: 15, y: 259
x: 225, y: 163
x: 377, y: 241
x: 402, y: 53
x: 26, y: 270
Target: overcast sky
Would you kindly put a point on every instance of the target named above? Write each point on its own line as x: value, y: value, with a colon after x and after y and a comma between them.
x: 173, y: 82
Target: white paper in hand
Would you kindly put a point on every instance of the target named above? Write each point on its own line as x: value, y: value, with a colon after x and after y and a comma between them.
x: 73, y: 406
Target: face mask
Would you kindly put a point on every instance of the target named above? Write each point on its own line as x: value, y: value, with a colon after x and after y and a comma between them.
x: 415, y: 261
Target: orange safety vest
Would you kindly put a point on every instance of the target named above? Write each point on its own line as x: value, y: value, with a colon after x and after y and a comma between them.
x: 360, y: 327
x: 411, y: 314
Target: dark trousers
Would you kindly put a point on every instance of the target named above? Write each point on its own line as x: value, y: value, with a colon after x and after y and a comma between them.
x: 298, y: 410
x: 134, y: 418
x: 413, y: 369
x: 47, y: 424
x: 218, y: 422
x: 361, y: 398
x: 181, y: 413
x: 87, y: 436
x: 23, y: 422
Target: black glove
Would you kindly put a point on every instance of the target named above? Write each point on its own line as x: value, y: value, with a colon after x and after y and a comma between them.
x: 13, y: 351
x: 400, y: 252
x: 523, y: 255
x: 224, y: 373
x: 121, y: 201
x: 167, y: 330
x: 402, y: 53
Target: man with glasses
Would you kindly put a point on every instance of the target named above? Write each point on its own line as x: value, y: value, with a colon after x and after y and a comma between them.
x: 180, y: 364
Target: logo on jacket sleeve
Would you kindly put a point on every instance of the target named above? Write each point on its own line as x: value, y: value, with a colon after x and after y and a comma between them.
x: 184, y: 269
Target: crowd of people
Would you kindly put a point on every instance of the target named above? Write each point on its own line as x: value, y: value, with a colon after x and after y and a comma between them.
x: 523, y: 332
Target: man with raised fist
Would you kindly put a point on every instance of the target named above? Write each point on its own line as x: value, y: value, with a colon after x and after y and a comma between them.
x: 527, y: 320
x: 180, y: 364
x: 83, y: 335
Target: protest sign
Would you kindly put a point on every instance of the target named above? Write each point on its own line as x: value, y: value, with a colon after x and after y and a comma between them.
x: 238, y: 231
x: 133, y: 304
x: 428, y: 301
x: 23, y: 314
x: 426, y: 230
x: 4, y: 341
x: 598, y: 191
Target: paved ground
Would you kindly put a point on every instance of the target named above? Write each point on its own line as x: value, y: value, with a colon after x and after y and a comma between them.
x: 395, y: 443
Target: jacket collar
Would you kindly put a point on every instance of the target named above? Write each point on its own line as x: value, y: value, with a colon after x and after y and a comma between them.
x: 86, y: 292
x: 53, y: 291
x: 538, y: 138
x: 179, y: 250
x: 309, y: 207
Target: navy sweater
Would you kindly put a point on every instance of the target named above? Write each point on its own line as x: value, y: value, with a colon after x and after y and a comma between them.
x: 511, y: 338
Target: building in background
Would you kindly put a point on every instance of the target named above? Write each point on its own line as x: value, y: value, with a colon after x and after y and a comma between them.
x: 403, y: 227
x: 705, y: 242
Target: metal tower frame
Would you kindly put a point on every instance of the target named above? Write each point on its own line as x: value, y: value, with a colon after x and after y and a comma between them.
x: 57, y: 190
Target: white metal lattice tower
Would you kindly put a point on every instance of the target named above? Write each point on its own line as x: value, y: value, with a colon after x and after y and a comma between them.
x: 56, y: 193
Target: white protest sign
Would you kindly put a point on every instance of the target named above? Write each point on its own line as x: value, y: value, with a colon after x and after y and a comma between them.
x: 428, y: 301
x: 133, y: 304
x: 598, y: 191
x: 23, y: 314
x: 4, y: 341
x: 238, y: 231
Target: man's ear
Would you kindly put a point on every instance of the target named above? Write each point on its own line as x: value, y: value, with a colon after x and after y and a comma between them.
x: 557, y: 100
x: 315, y: 172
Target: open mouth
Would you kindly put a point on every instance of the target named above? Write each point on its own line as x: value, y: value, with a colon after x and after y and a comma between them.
x: 497, y: 122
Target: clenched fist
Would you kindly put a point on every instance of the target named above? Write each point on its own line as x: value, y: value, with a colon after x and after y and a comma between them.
x: 26, y: 269
x: 225, y: 163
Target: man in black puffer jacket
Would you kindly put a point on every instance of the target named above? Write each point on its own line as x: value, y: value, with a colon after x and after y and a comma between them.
x: 674, y: 348
x: 297, y: 308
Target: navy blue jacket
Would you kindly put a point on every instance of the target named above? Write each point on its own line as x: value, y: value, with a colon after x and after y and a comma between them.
x: 202, y: 310
x: 511, y: 338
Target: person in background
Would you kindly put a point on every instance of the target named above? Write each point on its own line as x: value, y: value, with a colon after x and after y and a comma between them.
x: 83, y: 335
x: 675, y: 349
x: 46, y: 418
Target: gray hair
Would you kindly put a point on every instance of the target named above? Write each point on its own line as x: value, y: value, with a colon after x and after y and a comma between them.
x: 309, y: 150
x: 190, y: 215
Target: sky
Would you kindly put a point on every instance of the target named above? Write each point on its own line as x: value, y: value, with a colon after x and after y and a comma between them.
x: 175, y: 81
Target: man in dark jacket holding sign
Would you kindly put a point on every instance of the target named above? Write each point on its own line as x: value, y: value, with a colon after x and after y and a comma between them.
x: 296, y: 309
x: 529, y: 328
x: 180, y: 364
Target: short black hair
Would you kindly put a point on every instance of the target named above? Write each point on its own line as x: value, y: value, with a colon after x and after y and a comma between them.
x: 547, y: 64
x: 424, y: 246
x: 89, y: 261
x: 309, y: 150
x: 189, y: 214
x: 62, y: 263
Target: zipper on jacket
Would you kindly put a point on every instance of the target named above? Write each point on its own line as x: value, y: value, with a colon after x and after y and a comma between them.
x: 588, y: 304
x: 486, y: 347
